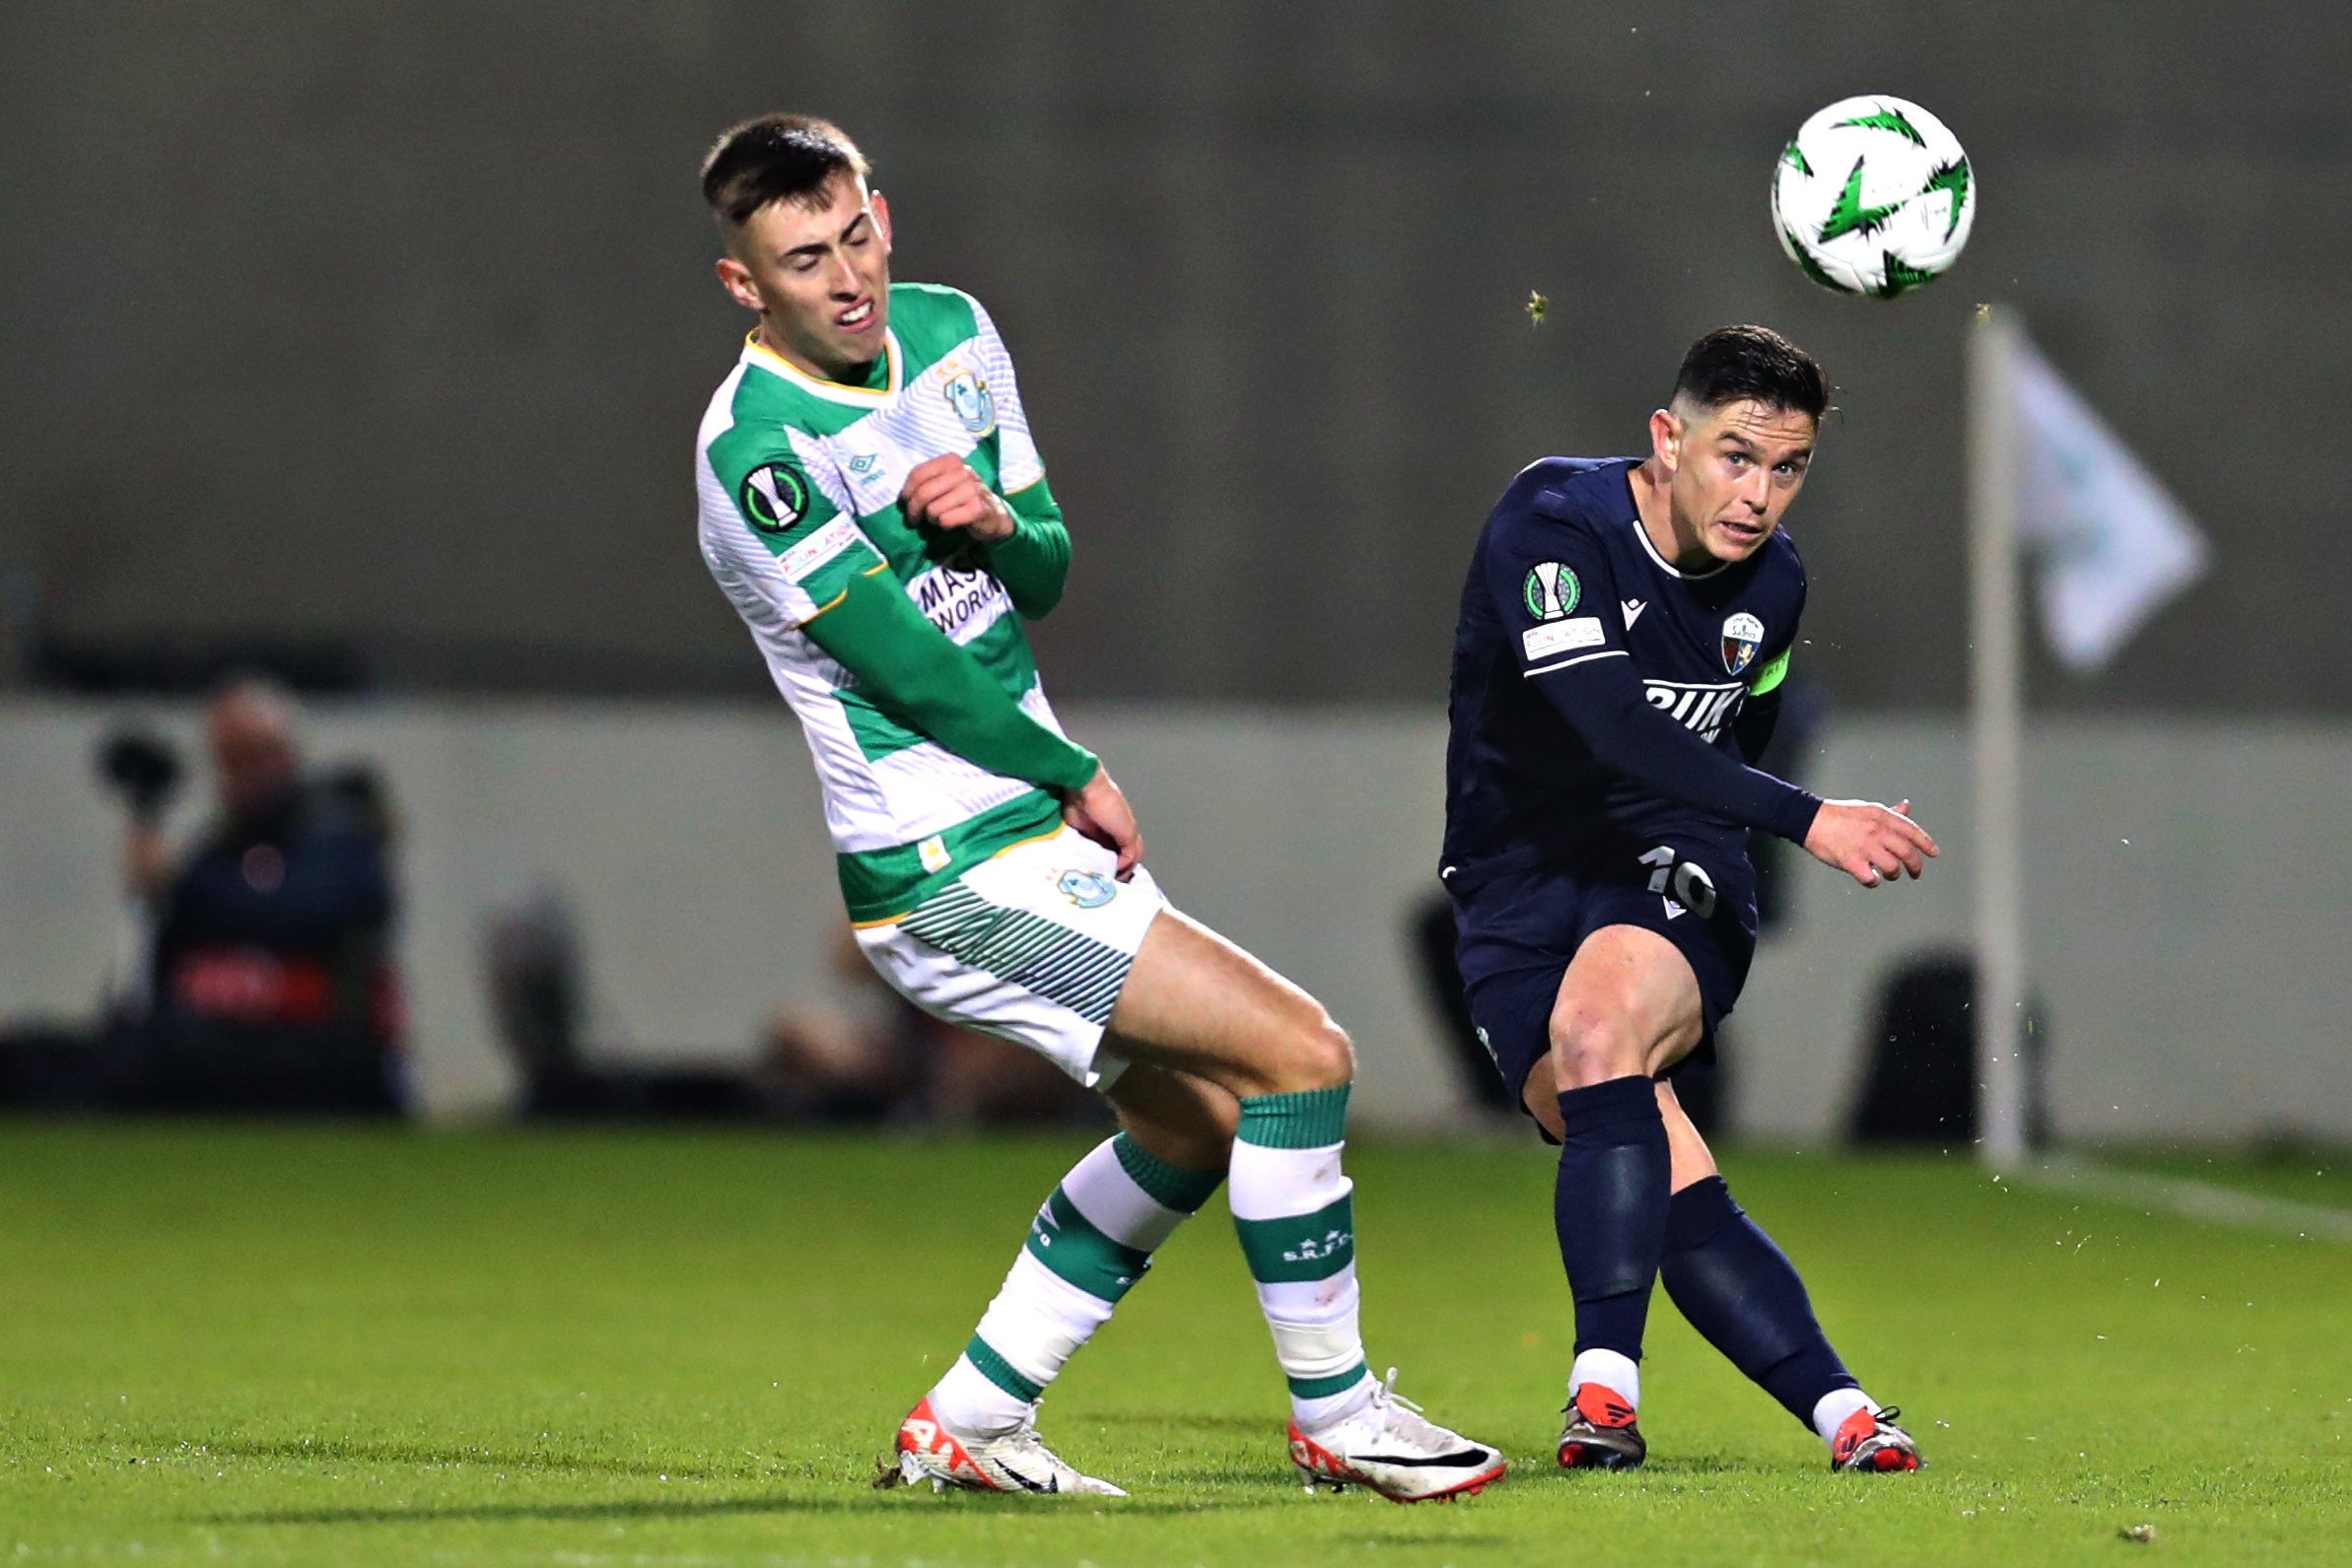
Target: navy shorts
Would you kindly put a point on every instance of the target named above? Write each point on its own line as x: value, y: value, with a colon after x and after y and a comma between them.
x: 1517, y: 930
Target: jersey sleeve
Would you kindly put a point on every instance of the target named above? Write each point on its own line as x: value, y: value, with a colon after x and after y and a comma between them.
x: 797, y: 546
x: 911, y: 670
x: 1539, y: 578
x: 1034, y: 562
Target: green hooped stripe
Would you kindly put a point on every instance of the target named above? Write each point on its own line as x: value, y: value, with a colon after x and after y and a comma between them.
x: 1313, y: 1246
x: 999, y: 1371
x: 877, y: 884
x: 1168, y: 1186
x: 1325, y: 1387
x: 1067, y: 1242
x: 1312, y: 1118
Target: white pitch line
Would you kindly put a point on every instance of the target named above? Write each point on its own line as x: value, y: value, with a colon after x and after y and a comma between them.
x: 2221, y: 1205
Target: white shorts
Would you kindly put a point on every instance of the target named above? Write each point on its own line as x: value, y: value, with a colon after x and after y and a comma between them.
x: 1032, y: 945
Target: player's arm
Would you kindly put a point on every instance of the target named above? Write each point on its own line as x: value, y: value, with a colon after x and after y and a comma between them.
x: 800, y: 561
x: 1021, y: 531
x: 909, y: 669
x: 1582, y: 668
x: 1760, y: 710
x: 1021, y: 538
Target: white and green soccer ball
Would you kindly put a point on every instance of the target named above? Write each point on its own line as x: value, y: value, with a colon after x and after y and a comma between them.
x: 1874, y: 196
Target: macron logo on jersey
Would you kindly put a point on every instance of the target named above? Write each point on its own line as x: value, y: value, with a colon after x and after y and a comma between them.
x: 1634, y: 609
x: 1702, y: 708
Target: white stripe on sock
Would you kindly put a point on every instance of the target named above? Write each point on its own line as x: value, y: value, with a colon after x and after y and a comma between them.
x: 1314, y: 1323
x: 1830, y: 1413
x: 1275, y: 1184
x: 1612, y: 1370
x: 1100, y: 1189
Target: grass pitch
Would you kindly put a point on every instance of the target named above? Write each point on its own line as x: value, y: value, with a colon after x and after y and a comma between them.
x: 371, y: 1346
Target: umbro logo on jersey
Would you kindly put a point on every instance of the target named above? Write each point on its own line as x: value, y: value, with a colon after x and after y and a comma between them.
x: 1634, y: 609
x: 774, y: 497
x: 1551, y: 592
x: 864, y: 464
x: 1704, y: 709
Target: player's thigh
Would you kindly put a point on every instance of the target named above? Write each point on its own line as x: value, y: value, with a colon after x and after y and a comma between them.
x: 1630, y: 1003
x: 1196, y: 1004
x: 1187, y: 1122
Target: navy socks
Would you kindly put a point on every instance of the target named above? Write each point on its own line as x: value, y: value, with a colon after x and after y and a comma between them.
x: 1611, y: 1208
x: 1741, y: 1292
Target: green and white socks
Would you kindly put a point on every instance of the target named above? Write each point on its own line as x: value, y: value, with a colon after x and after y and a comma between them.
x: 1294, y: 1207
x: 1295, y: 1210
x: 1087, y: 1247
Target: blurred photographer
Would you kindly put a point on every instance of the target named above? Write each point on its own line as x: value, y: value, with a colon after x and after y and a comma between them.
x: 269, y: 985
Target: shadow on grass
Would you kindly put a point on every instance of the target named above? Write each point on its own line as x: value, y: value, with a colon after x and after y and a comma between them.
x: 693, y: 1508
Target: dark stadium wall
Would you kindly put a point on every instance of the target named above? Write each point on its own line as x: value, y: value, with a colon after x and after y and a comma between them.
x: 392, y: 325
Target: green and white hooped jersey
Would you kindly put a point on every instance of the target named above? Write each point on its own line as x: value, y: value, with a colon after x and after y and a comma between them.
x: 797, y: 481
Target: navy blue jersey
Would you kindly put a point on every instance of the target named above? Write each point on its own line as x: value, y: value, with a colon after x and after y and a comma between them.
x: 1596, y: 689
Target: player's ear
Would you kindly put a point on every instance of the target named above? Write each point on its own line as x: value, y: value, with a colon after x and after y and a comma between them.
x: 1666, y: 439
x: 735, y: 279
x: 882, y: 219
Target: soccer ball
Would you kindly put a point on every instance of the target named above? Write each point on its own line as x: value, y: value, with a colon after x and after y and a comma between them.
x: 1874, y: 197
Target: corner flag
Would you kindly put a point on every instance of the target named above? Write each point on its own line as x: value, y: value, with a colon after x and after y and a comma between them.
x: 2112, y: 544
x: 2046, y: 476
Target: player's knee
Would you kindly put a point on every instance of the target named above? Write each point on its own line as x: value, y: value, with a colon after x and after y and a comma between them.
x: 1591, y: 1044
x: 1322, y: 1057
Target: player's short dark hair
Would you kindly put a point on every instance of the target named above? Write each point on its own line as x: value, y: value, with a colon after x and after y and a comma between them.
x: 775, y: 158
x: 1743, y: 364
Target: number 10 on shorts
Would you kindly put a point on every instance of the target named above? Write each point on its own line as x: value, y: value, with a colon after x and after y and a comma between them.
x: 1685, y: 881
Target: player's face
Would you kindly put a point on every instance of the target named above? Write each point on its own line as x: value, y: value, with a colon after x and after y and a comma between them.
x: 1735, y: 469
x: 819, y: 277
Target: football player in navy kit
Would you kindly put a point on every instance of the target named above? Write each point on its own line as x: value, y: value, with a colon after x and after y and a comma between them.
x: 1624, y: 635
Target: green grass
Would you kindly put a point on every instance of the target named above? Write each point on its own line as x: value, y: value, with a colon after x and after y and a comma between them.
x: 357, y: 1346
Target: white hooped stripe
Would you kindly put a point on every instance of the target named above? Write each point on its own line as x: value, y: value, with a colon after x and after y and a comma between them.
x: 1277, y: 1184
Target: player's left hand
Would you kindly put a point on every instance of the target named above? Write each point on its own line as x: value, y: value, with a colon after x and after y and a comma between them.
x: 1869, y: 841
x: 944, y: 493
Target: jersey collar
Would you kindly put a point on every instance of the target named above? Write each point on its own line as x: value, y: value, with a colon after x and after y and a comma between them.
x: 767, y: 358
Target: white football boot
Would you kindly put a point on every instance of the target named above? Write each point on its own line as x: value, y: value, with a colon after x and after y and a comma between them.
x: 930, y: 1449
x: 1389, y: 1446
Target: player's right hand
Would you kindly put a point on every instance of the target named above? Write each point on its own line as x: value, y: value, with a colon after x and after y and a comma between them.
x: 1101, y: 812
x: 1869, y: 841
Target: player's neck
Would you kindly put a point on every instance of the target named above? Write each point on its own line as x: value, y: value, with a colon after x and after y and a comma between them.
x: 1653, y: 506
x: 859, y: 375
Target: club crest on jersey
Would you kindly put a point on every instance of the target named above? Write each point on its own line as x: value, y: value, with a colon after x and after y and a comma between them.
x: 774, y: 497
x: 973, y: 404
x: 1088, y: 890
x: 1551, y: 592
x: 1743, y: 635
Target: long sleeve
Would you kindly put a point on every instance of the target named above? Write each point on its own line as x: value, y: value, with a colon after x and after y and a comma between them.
x: 909, y: 669
x: 1034, y: 562
x: 1605, y: 704
x: 1582, y: 666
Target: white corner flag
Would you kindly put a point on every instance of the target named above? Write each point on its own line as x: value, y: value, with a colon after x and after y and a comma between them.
x: 2113, y: 545
x: 2046, y: 476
